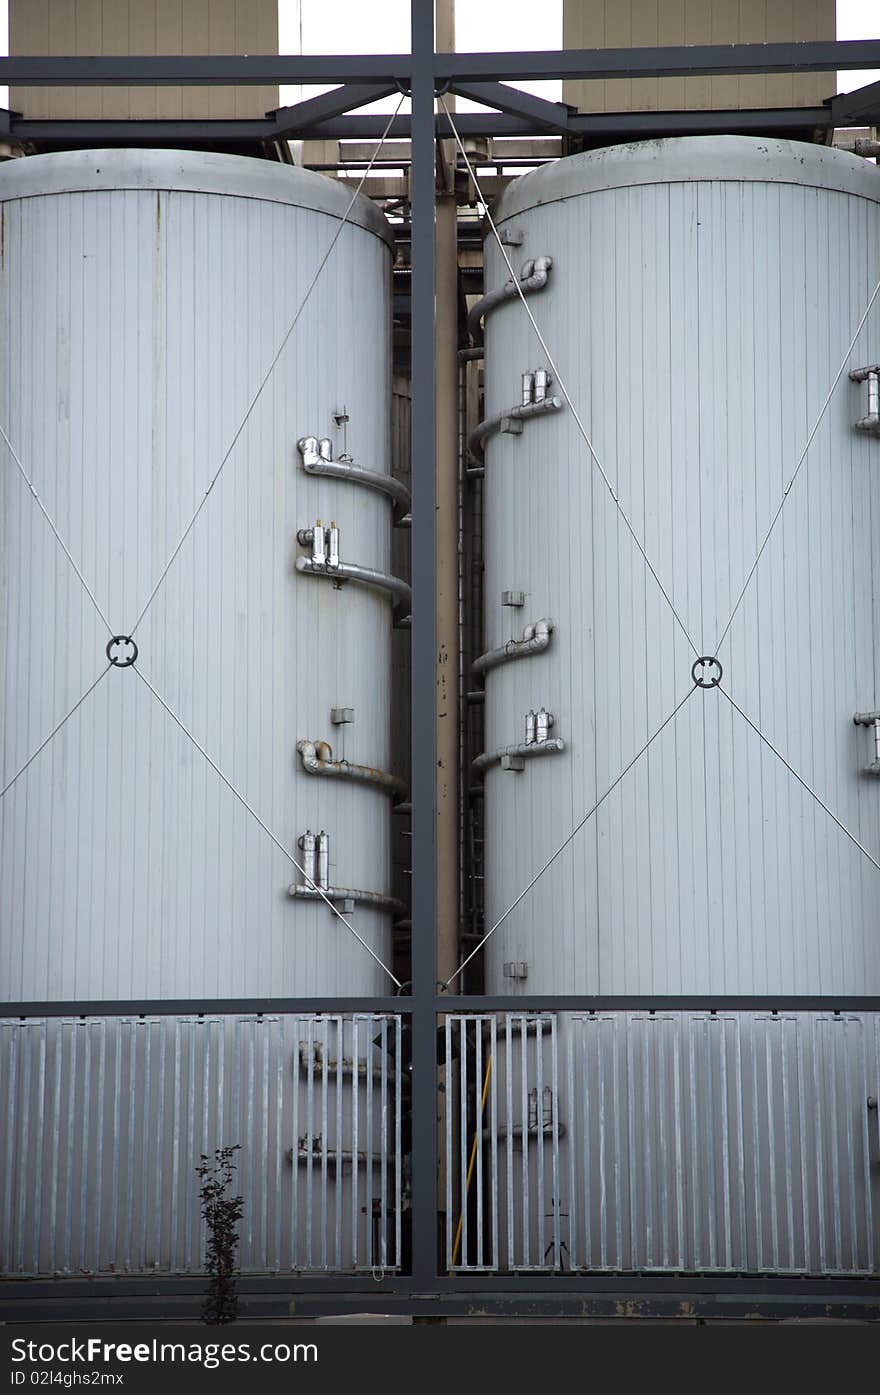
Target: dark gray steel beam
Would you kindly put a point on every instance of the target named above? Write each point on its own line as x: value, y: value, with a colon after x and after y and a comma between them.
x: 327, y: 105
x: 552, y: 116
x: 690, y: 60
x: 424, y: 655
x: 242, y: 70
x: 611, y: 125
x: 575, y: 1002
x: 140, y: 132
x: 859, y: 108
x: 564, y: 1002
x: 196, y: 1007
x: 659, y: 123
x: 236, y: 70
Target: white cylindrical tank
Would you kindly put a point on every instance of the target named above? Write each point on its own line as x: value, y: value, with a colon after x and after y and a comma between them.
x: 143, y: 295
x: 702, y: 296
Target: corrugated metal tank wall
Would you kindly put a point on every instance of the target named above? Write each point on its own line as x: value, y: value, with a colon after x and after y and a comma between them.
x: 702, y: 296
x: 142, y: 297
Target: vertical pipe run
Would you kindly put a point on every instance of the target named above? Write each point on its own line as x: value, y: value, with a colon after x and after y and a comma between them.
x: 307, y: 842
x: 424, y: 652
x: 447, y: 500
x: 462, y: 686
x: 323, y: 858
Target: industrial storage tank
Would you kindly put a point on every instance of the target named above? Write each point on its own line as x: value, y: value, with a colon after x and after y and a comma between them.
x: 697, y: 298
x: 702, y: 296
x: 144, y: 295
x: 195, y: 386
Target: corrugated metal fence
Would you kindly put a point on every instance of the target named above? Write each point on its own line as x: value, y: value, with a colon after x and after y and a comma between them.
x: 666, y: 1142
x: 104, y: 1122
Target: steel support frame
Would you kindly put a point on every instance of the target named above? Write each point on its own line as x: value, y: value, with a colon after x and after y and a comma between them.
x: 423, y: 73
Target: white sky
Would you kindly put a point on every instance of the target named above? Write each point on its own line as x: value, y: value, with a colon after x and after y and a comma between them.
x: 350, y: 26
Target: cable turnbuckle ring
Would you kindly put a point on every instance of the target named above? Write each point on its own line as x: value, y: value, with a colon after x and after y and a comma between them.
x: 707, y: 672
x: 121, y: 651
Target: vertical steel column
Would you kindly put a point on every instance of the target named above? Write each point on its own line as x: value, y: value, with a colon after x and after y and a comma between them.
x: 424, y: 651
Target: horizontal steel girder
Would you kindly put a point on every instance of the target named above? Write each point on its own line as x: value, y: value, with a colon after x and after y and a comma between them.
x: 242, y: 70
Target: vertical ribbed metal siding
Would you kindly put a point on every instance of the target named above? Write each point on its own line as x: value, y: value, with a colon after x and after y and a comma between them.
x: 137, y: 324
x: 729, y: 1142
x: 699, y: 325
x: 104, y: 1122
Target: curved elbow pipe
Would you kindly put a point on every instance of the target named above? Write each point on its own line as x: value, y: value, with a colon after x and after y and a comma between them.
x: 317, y: 759
x: 536, y: 638
x: 522, y: 412
x: 350, y: 571
x: 520, y: 752
x: 533, y: 277
x: 314, y: 463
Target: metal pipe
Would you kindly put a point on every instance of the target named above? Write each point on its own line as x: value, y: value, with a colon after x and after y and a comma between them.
x: 531, y: 728
x: 316, y: 460
x: 519, y: 413
x: 307, y: 843
x: 532, y: 278
x: 872, y: 720
x: 544, y: 721
x: 869, y: 423
x: 530, y: 748
x: 333, y: 549
x: 323, y: 860
x: 317, y: 759
x: 350, y: 571
x: 446, y: 584
x: 424, y: 1151
x: 343, y: 893
x: 463, y: 696
x: 535, y: 640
